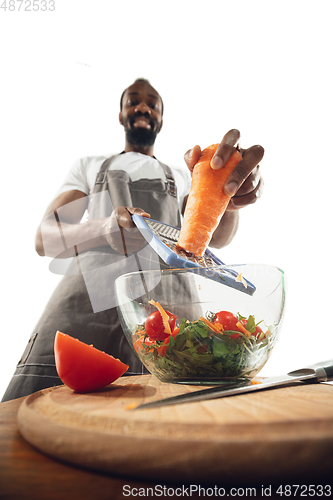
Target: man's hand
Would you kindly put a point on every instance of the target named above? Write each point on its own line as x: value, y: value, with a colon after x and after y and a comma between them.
x: 121, y: 232
x: 245, y: 184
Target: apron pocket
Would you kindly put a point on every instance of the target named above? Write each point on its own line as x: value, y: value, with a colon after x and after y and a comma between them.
x: 27, y: 350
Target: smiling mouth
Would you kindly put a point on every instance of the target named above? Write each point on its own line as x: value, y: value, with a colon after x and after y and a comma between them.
x: 142, y: 123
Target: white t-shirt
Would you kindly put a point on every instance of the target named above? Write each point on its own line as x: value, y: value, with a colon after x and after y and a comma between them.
x: 82, y: 175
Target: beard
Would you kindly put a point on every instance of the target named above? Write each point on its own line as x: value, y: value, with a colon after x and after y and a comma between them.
x: 141, y: 137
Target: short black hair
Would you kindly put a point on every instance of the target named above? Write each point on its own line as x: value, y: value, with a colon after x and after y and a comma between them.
x: 145, y: 80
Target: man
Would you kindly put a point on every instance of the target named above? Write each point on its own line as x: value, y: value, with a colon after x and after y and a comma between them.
x: 101, y: 248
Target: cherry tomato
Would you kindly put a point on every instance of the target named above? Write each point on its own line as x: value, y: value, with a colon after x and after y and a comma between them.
x: 228, y: 321
x: 154, y: 325
x: 257, y: 331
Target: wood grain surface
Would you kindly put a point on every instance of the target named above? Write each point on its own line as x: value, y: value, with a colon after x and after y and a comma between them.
x: 27, y: 474
x: 275, y: 433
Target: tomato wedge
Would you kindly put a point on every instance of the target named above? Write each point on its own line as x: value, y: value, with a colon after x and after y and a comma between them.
x: 82, y: 367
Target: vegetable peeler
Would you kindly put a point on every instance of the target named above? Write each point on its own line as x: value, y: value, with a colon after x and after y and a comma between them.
x: 163, y: 239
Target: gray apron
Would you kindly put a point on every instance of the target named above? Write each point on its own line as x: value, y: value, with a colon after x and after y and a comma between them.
x: 83, y: 304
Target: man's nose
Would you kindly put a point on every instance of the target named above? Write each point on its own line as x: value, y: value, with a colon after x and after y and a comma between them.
x: 143, y: 108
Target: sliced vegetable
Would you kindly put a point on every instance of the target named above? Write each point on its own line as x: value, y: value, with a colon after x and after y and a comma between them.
x: 206, y: 203
x: 144, y: 342
x: 239, y: 278
x: 160, y: 323
x: 162, y: 349
x: 228, y: 321
x: 217, y: 327
x: 243, y: 329
x: 220, y: 345
x: 82, y: 367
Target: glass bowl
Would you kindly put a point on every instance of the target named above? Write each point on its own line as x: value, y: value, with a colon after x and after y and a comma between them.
x: 220, y: 334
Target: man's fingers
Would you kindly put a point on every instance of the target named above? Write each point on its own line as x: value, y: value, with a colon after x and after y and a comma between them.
x: 225, y: 149
x: 192, y: 156
x: 251, y: 158
x: 123, y: 236
x: 250, y: 182
x: 123, y: 216
x: 238, y: 202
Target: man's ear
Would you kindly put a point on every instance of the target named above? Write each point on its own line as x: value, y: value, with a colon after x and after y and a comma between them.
x: 161, y: 126
x: 120, y: 118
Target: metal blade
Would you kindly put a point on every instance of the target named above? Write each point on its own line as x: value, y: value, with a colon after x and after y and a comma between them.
x: 210, y: 393
x: 241, y: 388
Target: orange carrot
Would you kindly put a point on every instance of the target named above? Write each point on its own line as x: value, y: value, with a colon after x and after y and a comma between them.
x: 215, y: 327
x: 242, y: 328
x: 165, y: 317
x: 206, y: 203
x: 175, y: 332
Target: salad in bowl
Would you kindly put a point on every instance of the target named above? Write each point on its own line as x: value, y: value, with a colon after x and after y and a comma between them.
x: 187, y: 328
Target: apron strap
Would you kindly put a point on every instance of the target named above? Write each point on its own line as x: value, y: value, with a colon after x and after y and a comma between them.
x: 101, y: 176
x: 172, y: 189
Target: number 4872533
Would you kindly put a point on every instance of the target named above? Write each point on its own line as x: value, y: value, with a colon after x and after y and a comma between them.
x: 27, y: 5
x: 302, y: 490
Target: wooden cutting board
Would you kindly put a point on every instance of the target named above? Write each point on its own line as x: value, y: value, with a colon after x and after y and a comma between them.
x: 266, y: 434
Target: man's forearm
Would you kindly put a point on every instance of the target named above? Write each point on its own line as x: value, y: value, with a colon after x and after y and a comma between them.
x: 60, y: 239
x: 56, y: 238
x: 226, y: 230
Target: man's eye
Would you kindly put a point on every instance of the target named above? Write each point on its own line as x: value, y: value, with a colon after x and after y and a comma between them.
x: 154, y: 105
x: 131, y: 102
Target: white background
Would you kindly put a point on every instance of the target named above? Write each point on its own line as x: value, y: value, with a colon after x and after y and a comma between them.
x: 263, y: 67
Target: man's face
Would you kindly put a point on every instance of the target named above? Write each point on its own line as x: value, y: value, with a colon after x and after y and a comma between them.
x: 141, y: 114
